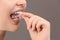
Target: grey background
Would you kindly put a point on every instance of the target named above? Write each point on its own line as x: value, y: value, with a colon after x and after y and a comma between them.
x: 48, y: 9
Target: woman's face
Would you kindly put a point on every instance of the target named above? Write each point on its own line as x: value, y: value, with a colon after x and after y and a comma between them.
x: 12, y: 5
x: 7, y: 7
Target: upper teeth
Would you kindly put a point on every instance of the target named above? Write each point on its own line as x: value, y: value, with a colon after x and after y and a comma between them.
x: 17, y: 15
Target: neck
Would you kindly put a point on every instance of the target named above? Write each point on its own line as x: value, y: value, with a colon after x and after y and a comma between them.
x: 2, y: 34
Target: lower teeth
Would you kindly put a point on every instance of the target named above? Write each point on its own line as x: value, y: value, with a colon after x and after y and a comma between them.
x: 16, y: 15
x: 13, y: 16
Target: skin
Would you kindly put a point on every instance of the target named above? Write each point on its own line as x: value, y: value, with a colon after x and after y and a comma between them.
x: 38, y: 27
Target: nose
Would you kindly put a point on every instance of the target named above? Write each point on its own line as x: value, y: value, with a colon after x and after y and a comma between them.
x: 21, y: 3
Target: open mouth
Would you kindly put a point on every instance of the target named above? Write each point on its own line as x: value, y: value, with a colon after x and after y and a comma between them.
x: 15, y: 18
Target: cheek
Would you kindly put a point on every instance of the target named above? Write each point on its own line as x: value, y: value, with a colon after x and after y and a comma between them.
x: 7, y: 5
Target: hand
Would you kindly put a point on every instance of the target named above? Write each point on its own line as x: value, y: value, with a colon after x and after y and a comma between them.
x: 39, y: 28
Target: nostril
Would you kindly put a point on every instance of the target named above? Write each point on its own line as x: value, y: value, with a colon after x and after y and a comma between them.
x: 21, y: 5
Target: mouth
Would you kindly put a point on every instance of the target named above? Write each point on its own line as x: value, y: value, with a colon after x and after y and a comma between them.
x: 14, y: 16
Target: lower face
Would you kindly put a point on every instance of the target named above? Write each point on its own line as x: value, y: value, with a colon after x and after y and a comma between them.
x: 6, y: 8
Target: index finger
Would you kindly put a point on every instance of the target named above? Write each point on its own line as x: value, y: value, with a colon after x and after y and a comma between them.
x: 24, y: 14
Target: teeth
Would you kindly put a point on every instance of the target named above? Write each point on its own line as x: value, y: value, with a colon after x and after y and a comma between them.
x: 13, y: 16
x: 17, y: 15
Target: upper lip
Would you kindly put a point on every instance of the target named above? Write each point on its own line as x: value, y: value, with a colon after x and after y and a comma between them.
x: 18, y: 10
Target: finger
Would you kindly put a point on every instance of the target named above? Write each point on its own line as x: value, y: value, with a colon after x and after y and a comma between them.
x: 29, y: 15
x: 39, y: 26
x: 26, y: 20
x: 25, y: 14
x: 34, y: 24
x: 30, y: 22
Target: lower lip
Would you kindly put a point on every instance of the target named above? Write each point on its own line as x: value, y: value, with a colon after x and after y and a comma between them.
x: 16, y: 21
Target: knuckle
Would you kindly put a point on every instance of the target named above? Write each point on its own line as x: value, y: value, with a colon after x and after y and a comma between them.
x: 48, y: 24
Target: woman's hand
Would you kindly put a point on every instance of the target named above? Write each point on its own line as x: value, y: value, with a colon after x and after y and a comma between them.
x: 38, y: 27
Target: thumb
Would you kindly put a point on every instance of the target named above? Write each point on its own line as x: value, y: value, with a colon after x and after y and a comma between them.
x: 26, y: 20
x: 26, y: 16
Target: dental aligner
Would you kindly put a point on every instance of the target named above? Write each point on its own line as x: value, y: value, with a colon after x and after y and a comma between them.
x: 17, y: 15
